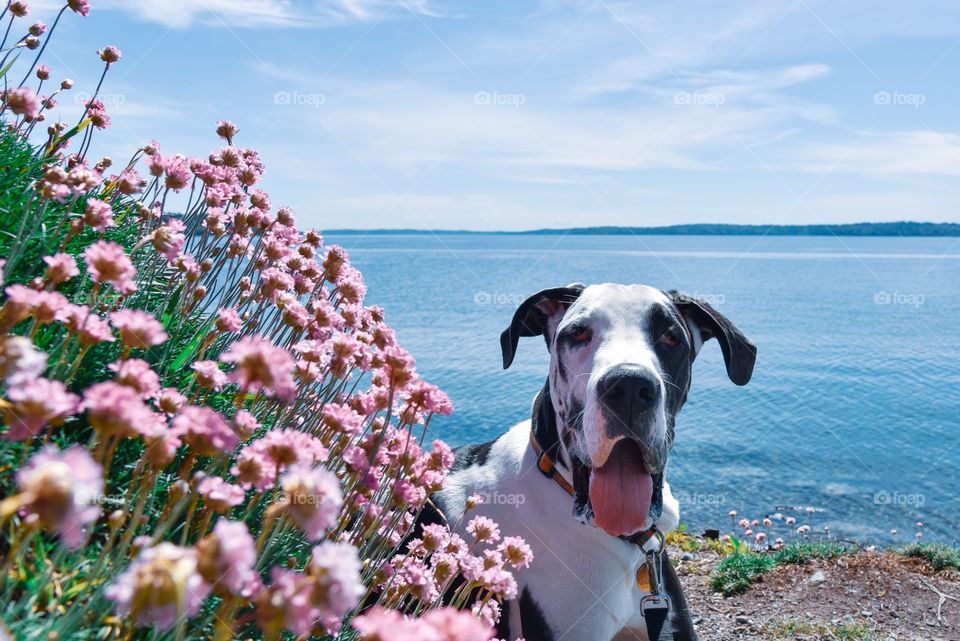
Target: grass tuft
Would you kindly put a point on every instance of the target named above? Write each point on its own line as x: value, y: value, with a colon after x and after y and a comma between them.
x: 807, y: 551
x: 736, y: 572
x: 939, y: 556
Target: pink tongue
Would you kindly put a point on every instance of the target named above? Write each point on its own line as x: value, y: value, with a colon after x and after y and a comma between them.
x: 621, y: 491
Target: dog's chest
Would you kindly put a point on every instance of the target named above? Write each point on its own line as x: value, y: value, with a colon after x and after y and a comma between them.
x: 582, y: 581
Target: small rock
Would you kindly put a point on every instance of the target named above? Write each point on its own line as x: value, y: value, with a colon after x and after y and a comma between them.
x: 818, y: 577
x: 687, y: 556
x: 866, y: 613
x: 742, y: 620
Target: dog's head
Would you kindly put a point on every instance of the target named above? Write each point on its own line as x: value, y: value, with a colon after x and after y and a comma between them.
x: 620, y: 369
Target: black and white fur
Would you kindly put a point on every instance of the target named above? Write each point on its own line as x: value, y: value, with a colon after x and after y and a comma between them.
x: 608, y: 343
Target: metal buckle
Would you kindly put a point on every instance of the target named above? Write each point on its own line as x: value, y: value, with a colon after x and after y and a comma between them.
x: 655, y: 609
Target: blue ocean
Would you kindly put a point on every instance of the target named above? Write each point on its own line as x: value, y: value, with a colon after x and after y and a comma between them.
x: 854, y: 407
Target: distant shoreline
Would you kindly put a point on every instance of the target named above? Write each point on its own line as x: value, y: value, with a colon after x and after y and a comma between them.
x: 896, y: 229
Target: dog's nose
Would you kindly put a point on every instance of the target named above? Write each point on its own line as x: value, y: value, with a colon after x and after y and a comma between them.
x: 628, y: 391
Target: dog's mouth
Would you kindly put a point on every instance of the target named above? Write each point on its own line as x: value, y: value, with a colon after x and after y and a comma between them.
x: 621, y: 497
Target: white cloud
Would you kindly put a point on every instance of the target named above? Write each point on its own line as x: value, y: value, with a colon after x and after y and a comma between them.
x: 260, y: 13
x: 888, y: 155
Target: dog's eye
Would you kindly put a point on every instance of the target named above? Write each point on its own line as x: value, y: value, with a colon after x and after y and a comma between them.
x: 579, y: 334
x: 670, y: 339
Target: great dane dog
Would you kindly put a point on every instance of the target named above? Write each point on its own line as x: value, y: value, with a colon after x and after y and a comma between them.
x: 620, y: 369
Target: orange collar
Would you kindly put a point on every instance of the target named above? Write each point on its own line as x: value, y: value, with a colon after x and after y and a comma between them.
x: 546, y: 465
x: 549, y: 469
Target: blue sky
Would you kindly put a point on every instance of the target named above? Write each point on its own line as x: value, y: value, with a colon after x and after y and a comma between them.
x: 519, y: 115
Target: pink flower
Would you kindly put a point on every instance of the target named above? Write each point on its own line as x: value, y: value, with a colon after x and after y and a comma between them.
x: 36, y: 404
x: 169, y: 400
x: 209, y: 375
x: 260, y: 366
x: 43, y: 71
x: 162, y: 444
x: 108, y: 262
x: 46, y: 305
x: 98, y: 215
x: 79, y: 6
x: 161, y: 586
x: 335, y: 568
x: 219, y: 495
x: 136, y: 373
x: 169, y: 239
x: 97, y: 114
x: 454, y: 625
x: 19, y: 304
x: 118, y: 410
x: 63, y: 489
x: 430, y: 398
x: 483, y: 529
x: 88, y: 326
x: 245, y: 423
x: 228, y: 320
x: 312, y: 499
x: 342, y: 419
x: 227, y: 130
x: 488, y: 612
x: 286, y: 604
x: 19, y: 8
x: 60, y: 268
x: 177, y: 169
x: 129, y: 182
x: 440, y: 624
x: 20, y: 360
x: 259, y: 463
x: 227, y: 559
x: 110, y: 54
x: 350, y: 284
x: 137, y: 328
x: 516, y: 552
x: 204, y: 430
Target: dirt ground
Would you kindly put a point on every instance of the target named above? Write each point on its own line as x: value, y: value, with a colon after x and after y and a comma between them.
x: 871, y: 596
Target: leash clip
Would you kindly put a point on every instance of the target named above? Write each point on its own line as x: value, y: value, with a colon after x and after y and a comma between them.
x: 653, y: 572
x: 655, y: 606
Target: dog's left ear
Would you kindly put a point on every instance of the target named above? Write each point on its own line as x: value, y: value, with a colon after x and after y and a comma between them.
x: 533, y: 317
x: 739, y: 352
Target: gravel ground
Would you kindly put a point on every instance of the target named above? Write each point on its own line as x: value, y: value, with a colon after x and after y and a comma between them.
x: 873, y: 596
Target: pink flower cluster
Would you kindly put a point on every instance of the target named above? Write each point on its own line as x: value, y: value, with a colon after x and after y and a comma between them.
x: 232, y: 361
